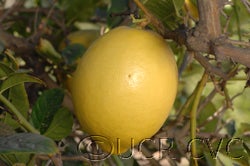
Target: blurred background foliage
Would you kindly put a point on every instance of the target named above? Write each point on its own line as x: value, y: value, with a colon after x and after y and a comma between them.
x: 224, y: 109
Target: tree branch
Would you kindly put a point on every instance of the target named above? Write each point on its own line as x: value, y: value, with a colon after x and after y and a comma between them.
x: 209, y: 67
x: 19, y: 45
x: 11, y: 10
x: 209, y: 18
x: 236, y: 54
x: 207, y: 38
x: 240, y: 43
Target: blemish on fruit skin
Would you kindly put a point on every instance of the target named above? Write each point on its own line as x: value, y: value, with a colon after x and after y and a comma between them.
x: 134, y: 78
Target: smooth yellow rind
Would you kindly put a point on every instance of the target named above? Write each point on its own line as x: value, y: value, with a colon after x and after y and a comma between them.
x: 125, y: 86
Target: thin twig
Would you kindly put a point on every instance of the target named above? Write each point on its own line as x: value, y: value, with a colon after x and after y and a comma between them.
x: 66, y: 158
x: 51, y: 9
x: 247, y: 4
x: 36, y: 20
x: 220, y: 111
x: 151, y: 18
x: 217, y: 85
x: 57, y: 159
x: 207, y: 100
x: 240, y: 43
x: 215, y: 115
x: 225, y: 29
x: 211, y: 69
x: 13, y: 8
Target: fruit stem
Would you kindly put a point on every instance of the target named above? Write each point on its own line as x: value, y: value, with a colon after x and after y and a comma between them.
x: 193, y: 114
x: 151, y: 18
x: 20, y: 119
x: 135, y: 20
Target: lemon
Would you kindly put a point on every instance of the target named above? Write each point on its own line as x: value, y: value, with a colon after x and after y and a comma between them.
x: 83, y: 37
x: 192, y: 10
x: 124, y: 87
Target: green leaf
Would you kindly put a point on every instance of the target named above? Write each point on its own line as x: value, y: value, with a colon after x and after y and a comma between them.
x: 206, y: 112
x: 243, y: 127
x: 178, y: 5
x: 167, y: 11
x: 27, y: 143
x: 72, y: 52
x: 18, y: 159
x: 209, y: 159
x: 117, y: 7
x: 223, y: 160
x: 6, y: 160
x: 61, y: 125
x: 17, y: 78
x: 71, y: 148
x: 77, y: 10
x: 5, y: 70
x: 19, y: 98
x: 236, y: 151
x: 228, y: 160
x: 45, y: 108
x: 123, y: 162
x: 230, y: 127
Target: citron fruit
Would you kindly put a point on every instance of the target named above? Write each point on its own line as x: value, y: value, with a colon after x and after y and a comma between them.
x: 124, y: 87
x: 192, y: 10
x: 83, y: 37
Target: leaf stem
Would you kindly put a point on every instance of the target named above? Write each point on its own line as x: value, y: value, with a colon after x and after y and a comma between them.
x: 20, y: 119
x: 193, y: 114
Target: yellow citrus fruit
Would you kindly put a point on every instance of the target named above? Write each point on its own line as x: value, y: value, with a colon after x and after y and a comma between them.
x: 124, y: 87
x: 192, y: 10
x: 83, y: 37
